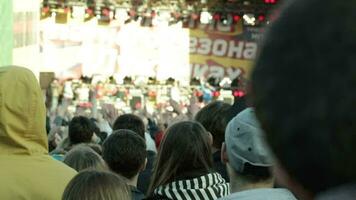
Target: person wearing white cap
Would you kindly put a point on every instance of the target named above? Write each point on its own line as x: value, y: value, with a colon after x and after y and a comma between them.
x: 249, y: 161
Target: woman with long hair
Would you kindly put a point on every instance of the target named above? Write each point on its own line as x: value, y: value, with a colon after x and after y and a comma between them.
x: 184, y: 169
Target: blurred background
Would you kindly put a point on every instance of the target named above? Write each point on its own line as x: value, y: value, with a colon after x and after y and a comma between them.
x: 209, y: 45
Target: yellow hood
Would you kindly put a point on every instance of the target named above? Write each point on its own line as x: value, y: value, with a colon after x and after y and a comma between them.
x: 22, y: 113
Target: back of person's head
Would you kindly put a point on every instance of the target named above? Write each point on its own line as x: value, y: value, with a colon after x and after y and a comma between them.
x: 130, y: 122
x: 93, y: 185
x: 80, y: 130
x: 96, y: 147
x: 186, y: 147
x: 82, y: 157
x: 303, y: 88
x: 245, y: 150
x: 214, y: 117
x: 125, y: 153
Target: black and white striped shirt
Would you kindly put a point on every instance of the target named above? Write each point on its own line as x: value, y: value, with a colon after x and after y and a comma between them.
x: 207, y: 187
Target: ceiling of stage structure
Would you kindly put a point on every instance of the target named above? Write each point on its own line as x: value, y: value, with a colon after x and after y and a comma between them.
x: 173, y: 11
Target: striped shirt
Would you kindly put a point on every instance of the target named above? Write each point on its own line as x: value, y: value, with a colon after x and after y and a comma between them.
x: 207, y: 187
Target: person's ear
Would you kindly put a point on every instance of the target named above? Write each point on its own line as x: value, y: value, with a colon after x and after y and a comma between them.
x: 143, y: 167
x: 224, y: 157
x: 210, y: 138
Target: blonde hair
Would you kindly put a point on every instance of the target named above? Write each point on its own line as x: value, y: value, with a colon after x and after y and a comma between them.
x: 93, y: 185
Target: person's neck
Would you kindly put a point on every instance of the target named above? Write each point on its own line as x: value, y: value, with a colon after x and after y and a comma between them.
x: 237, y: 186
x: 132, y: 181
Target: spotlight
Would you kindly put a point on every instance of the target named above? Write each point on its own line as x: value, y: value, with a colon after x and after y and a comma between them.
x: 121, y: 14
x: 261, y: 18
x: 217, y: 17
x: 249, y: 19
x: 78, y: 12
x: 215, y: 93
x: 238, y: 93
x: 227, y: 19
x: 236, y: 18
x: 205, y: 17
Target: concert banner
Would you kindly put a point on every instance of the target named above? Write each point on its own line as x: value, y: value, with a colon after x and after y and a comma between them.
x: 221, y: 51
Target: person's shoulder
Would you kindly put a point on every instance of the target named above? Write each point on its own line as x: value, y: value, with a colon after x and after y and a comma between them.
x: 136, y: 193
x: 59, y: 167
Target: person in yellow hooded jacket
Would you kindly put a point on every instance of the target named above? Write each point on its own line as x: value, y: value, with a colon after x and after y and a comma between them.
x: 26, y: 169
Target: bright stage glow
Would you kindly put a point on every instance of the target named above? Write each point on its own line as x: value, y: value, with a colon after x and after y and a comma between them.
x: 129, y: 50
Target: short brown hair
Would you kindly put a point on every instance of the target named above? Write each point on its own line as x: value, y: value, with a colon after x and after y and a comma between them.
x: 125, y: 152
x: 215, y: 117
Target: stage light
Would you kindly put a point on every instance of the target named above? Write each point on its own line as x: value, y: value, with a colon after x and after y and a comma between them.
x: 205, y: 17
x: 121, y: 14
x: 227, y: 19
x: 236, y: 18
x: 163, y: 18
x: 225, y: 82
x: 215, y: 93
x: 78, y: 12
x: 249, y: 19
x: 238, y: 93
x: 198, y: 93
x: 217, y: 16
x: 261, y: 18
x: 270, y: 1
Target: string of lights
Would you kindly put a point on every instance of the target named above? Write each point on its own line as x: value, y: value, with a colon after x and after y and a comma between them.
x: 154, y: 12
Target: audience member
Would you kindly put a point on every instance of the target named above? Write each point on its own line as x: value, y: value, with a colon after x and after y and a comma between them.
x: 184, y: 167
x: 136, y: 124
x: 303, y: 88
x: 80, y: 130
x: 83, y: 157
x: 130, y: 122
x: 27, y: 171
x: 249, y: 161
x: 125, y: 153
x: 94, y: 185
x: 214, y: 117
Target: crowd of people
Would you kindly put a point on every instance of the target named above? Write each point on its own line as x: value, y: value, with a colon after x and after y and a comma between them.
x: 293, y: 138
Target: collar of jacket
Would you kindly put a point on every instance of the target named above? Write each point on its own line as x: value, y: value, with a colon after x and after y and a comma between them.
x: 209, y: 186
